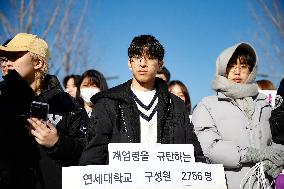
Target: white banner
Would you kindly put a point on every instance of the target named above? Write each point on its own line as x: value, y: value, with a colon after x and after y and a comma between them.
x: 138, y: 153
x: 136, y: 165
x: 106, y: 176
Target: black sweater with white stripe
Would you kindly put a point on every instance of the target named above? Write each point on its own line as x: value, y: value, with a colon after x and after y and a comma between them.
x: 115, y: 119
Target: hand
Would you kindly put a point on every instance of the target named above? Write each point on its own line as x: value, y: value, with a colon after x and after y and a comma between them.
x: 272, y: 169
x: 273, y: 154
x: 44, y: 132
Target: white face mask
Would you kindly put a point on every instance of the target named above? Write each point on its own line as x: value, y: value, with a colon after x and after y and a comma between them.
x: 87, y: 93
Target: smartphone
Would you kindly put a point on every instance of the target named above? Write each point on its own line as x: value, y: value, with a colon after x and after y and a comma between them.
x: 39, y: 110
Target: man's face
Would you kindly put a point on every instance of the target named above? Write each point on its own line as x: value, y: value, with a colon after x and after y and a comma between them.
x: 144, y: 69
x: 19, y: 61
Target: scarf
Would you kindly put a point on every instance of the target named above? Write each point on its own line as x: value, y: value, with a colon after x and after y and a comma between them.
x: 241, y: 93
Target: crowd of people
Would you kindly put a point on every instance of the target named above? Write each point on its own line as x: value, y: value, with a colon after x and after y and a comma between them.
x: 236, y: 127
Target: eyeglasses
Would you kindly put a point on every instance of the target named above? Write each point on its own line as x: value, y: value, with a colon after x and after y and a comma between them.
x: 244, y: 68
x: 12, y: 56
x: 148, y: 61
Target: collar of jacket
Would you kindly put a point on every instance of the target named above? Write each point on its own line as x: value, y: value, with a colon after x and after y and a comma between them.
x: 122, y: 92
x: 16, y: 84
x: 53, y: 94
x: 51, y: 87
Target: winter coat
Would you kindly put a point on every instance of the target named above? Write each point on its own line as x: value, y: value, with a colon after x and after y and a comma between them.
x: 277, y: 123
x: 24, y: 163
x: 115, y: 119
x: 223, y: 130
x: 277, y: 116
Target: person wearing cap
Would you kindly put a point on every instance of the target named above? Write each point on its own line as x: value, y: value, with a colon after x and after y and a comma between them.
x: 33, y: 150
x: 233, y: 125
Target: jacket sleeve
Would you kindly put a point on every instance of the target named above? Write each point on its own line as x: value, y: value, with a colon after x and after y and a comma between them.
x: 214, y: 147
x: 277, y: 122
x: 72, y: 139
x: 16, y: 84
x: 96, y: 152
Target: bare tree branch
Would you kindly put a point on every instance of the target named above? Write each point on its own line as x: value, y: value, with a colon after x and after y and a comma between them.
x: 270, y: 17
x: 22, y: 15
x: 6, y: 25
x: 30, y: 17
x: 72, y: 41
x: 52, y: 20
x: 60, y: 25
x: 61, y: 29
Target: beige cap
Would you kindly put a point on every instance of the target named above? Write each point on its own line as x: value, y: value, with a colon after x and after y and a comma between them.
x: 27, y: 42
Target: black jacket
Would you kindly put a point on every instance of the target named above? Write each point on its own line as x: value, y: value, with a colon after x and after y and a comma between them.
x: 24, y: 163
x: 115, y: 119
x: 277, y: 116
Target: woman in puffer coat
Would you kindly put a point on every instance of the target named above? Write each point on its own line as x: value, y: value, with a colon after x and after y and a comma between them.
x: 233, y: 125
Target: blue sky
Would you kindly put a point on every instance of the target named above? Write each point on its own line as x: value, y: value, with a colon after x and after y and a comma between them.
x: 193, y: 33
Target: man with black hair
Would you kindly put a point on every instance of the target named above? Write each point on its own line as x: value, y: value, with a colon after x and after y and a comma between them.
x: 140, y: 110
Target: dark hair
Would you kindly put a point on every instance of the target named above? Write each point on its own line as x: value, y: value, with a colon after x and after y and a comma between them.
x: 244, y: 56
x: 265, y: 85
x: 75, y: 77
x: 146, y: 45
x: 184, y: 91
x: 96, y: 78
x: 165, y: 72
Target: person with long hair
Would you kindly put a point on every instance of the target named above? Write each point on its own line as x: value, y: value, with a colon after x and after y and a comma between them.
x: 179, y: 89
x: 91, y: 82
x: 71, y: 84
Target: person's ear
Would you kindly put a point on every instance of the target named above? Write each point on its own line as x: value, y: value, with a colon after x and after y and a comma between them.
x: 160, y: 64
x: 129, y: 64
x: 38, y: 64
